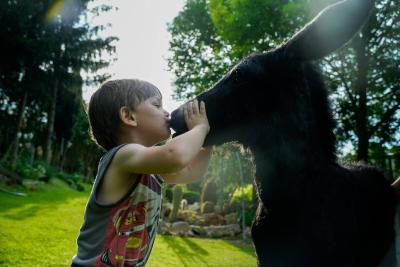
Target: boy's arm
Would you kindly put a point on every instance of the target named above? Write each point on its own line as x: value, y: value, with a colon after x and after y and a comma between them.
x: 192, y: 172
x: 174, y: 155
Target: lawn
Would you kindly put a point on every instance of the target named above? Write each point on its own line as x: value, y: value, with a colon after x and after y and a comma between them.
x: 40, y: 230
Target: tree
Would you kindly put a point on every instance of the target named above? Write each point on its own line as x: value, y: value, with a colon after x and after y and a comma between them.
x: 45, y: 50
x: 364, y: 76
x: 199, y: 56
x: 75, y: 46
x: 83, y: 153
x: 19, y: 64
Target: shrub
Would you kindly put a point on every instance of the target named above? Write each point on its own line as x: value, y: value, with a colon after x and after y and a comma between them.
x: 209, y: 192
x: 168, y: 193
x: 236, y: 203
x: 191, y: 196
x: 34, y: 172
x: 207, y: 207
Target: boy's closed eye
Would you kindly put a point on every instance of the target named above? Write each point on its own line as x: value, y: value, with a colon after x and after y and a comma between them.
x: 157, y: 104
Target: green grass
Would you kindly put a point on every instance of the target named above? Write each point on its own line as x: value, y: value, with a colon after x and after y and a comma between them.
x: 40, y: 230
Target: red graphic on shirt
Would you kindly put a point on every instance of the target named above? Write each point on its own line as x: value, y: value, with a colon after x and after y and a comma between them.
x: 128, y: 240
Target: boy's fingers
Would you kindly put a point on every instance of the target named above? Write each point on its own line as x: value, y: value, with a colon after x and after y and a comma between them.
x: 185, y: 112
x: 189, y: 109
x: 195, y: 106
x: 202, y: 108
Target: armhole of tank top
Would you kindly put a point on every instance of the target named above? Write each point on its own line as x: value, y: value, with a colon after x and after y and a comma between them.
x: 159, y: 178
x: 113, y: 152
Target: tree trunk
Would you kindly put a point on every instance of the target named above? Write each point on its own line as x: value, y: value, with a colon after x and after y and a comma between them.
x: 50, y: 122
x: 254, y: 198
x: 15, y: 143
x: 361, y: 90
x: 242, y: 195
x: 61, y: 155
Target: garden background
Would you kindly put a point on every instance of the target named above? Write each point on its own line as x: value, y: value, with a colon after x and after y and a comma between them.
x: 50, y: 52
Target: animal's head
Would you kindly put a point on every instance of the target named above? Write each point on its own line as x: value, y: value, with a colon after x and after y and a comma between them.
x: 276, y: 88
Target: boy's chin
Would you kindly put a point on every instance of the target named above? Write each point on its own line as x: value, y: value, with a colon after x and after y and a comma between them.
x: 165, y: 138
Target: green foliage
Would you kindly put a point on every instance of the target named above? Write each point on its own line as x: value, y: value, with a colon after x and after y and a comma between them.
x: 236, y: 202
x: 199, y: 57
x: 74, y: 180
x: 168, y: 193
x: 191, y: 196
x: 207, y: 207
x: 56, y: 213
x: 249, y: 215
x: 41, y: 170
x: 44, y: 55
x: 35, y: 172
x: 209, y: 193
x: 83, y: 153
x: 255, y: 25
x: 245, y: 192
x: 224, y: 170
x: 209, y: 37
x: 371, y: 56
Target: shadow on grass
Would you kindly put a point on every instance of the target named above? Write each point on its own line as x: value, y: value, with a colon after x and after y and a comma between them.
x: 47, y: 196
x: 246, y: 247
x: 186, y: 251
x: 26, y: 212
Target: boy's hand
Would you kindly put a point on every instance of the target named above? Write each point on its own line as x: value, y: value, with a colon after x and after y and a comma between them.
x: 195, y: 116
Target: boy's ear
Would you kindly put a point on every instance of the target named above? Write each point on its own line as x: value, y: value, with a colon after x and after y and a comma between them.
x: 127, y: 116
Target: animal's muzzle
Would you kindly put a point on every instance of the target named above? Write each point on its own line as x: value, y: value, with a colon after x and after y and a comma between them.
x: 177, y: 122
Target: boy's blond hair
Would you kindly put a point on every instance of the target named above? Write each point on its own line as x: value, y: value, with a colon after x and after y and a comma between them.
x: 105, y: 103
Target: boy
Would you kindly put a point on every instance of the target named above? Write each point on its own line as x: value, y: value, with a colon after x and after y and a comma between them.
x: 121, y: 216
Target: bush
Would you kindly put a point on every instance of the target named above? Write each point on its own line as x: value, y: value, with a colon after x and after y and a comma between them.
x: 34, y: 172
x: 247, y: 192
x: 168, y: 193
x: 207, y: 207
x: 209, y: 192
x: 41, y: 170
x: 74, y: 180
x: 249, y: 214
x: 191, y: 196
x: 236, y: 203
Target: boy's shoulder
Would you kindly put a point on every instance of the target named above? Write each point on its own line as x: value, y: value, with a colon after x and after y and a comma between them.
x: 126, y: 155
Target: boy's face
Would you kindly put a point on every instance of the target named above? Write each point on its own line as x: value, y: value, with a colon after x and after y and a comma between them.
x: 152, y: 120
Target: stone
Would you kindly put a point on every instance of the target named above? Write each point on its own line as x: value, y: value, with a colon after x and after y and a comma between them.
x: 194, y: 207
x: 180, y: 228
x: 231, y: 218
x: 222, y: 230
x: 213, y: 219
x: 163, y: 227
x: 198, y: 230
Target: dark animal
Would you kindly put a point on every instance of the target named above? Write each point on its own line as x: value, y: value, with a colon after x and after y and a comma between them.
x: 312, y: 210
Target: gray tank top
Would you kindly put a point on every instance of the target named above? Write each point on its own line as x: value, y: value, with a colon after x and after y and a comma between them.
x: 122, y: 233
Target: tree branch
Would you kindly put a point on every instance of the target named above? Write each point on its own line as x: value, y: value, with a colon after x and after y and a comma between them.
x: 343, y: 80
x: 385, y: 118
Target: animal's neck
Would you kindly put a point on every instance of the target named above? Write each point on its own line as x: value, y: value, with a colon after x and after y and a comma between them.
x: 282, y: 169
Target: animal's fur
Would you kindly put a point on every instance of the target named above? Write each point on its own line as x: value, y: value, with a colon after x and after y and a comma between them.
x: 312, y: 210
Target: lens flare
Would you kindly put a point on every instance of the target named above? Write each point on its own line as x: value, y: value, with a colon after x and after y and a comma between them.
x: 63, y: 10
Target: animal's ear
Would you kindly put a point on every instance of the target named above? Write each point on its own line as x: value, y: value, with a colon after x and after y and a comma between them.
x: 329, y: 30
